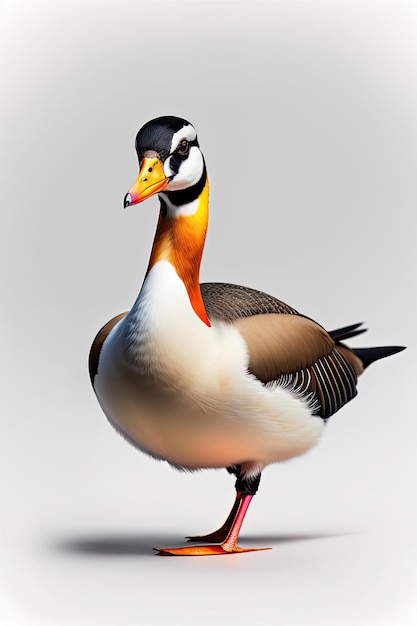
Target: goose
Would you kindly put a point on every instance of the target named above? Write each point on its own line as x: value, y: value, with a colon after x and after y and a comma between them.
x: 213, y: 375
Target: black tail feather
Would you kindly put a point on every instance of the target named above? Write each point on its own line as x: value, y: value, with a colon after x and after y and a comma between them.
x: 366, y: 355
x: 369, y: 355
x: 347, y: 331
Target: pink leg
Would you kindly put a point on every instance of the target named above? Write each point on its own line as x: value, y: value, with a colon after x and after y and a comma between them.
x: 228, y: 546
x: 221, y: 533
x: 230, y: 543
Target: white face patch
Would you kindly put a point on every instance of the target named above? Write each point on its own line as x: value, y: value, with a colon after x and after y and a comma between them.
x: 189, y: 173
x: 186, y: 132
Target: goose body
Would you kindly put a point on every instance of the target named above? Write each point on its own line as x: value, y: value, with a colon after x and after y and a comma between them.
x: 190, y: 399
x: 213, y: 375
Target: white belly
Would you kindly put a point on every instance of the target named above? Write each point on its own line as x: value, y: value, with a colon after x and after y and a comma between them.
x: 189, y: 399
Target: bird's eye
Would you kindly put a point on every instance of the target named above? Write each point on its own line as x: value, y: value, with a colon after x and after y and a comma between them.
x: 184, y: 147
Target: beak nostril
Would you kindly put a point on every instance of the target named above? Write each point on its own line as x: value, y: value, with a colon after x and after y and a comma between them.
x: 151, y: 180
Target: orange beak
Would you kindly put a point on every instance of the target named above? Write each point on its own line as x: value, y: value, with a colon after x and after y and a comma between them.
x: 151, y: 179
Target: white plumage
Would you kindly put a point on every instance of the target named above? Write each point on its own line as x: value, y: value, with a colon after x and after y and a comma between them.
x: 181, y: 389
x: 215, y: 375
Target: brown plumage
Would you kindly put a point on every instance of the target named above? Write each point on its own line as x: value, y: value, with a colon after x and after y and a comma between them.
x: 284, y: 347
x: 287, y: 348
x: 94, y: 356
x: 213, y: 375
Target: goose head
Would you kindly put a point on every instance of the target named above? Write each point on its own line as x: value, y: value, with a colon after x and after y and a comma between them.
x: 170, y: 163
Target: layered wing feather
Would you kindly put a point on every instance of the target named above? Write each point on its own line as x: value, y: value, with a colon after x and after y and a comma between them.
x: 227, y: 302
x: 288, y: 349
x: 285, y: 348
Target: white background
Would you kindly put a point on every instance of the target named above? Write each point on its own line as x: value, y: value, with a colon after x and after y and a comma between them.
x: 306, y: 114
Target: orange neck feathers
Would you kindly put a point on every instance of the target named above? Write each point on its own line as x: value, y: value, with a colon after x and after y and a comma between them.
x: 180, y: 240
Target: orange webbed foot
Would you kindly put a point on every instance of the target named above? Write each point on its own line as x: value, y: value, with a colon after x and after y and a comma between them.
x: 224, y: 538
x: 209, y: 550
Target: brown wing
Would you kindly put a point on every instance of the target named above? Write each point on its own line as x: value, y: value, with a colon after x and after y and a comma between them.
x: 323, y: 373
x: 298, y: 354
x: 282, y: 344
x: 227, y: 302
x: 97, y: 344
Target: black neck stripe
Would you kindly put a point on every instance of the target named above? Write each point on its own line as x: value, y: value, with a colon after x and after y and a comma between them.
x: 184, y: 196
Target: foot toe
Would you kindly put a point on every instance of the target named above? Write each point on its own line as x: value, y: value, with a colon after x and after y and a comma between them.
x: 209, y: 550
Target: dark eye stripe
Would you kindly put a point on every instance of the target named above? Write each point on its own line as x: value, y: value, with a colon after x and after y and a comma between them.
x: 175, y: 162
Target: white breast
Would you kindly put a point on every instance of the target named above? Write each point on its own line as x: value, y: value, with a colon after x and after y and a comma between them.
x: 180, y: 390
